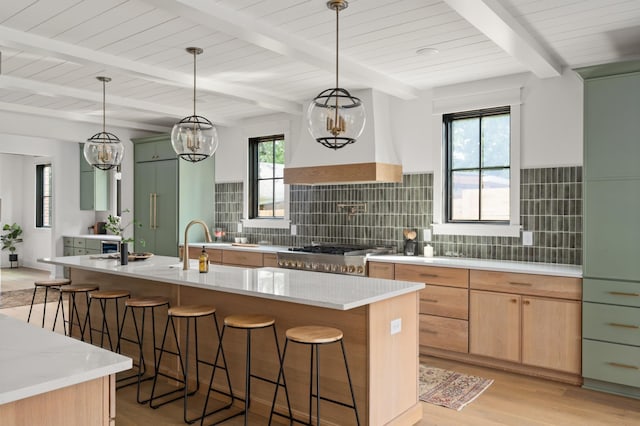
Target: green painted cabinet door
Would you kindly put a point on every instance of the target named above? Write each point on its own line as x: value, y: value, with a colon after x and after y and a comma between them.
x: 612, y: 127
x: 166, y: 207
x: 144, y: 188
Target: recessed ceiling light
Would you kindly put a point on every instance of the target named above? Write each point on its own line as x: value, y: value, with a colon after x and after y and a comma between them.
x: 427, y: 51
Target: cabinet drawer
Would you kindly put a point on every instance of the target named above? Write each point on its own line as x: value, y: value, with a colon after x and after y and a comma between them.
x: 613, y: 292
x: 611, y: 362
x: 79, y: 242
x: 67, y: 251
x: 445, y: 301
x: 67, y: 241
x: 618, y: 324
x: 529, y: 284
x: 79, y: 251
x: 381, y: 270
x: 453, y: 277
x: 270, y: 260
x: 233, y: 257
x: 444, y: 333
x: 93, y: 244
x: 215, y: 255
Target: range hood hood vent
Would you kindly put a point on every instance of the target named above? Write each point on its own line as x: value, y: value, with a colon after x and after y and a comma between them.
x: 372, y: 158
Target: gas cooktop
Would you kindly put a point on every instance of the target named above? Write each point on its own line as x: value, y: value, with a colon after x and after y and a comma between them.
x: 333, y: 258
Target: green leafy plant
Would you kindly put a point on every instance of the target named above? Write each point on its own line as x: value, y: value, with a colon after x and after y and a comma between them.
x: 11, y: 237
x: 114, y: 225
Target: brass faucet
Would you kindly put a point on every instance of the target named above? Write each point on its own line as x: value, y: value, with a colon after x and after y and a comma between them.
x: 185, y: 250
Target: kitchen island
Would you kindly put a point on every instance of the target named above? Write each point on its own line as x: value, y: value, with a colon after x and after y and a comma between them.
x: 383, y: 361
x: 47, y: 378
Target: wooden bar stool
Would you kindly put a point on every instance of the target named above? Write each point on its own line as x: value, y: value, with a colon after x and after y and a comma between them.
x: 46, y: 284
x: 248, y: 323
x: 188, y: 312
x: 72, y: 291
x: 315, y: 336
x: 103, y: 296
x: 143, y: 304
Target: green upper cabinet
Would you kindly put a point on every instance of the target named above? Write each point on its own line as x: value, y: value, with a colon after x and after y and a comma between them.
x: 94, y: 186
x: 612, y: 126
x: 168, y: 193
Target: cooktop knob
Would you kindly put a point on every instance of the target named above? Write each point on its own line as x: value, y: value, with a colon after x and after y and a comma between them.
x: 361, y: 269
x: 351, y: 269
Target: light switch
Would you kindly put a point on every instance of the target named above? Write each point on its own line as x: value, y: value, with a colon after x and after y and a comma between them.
x: 527, y: 238
x: 396, y: 326
x: 239, y: 227
x: 426, y: 235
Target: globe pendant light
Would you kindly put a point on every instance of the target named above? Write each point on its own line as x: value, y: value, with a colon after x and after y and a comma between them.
x: 194, y: 138
x: 103, y: 150
x: 335, y: 118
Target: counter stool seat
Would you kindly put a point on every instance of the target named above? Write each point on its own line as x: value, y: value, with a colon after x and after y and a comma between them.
x: 315, y: 336
x: 132, y: 305
x: 103, y: 296
x: 53, y: 284
x: 190, y: 313
x: 248, y: 322
x: 71, y: 291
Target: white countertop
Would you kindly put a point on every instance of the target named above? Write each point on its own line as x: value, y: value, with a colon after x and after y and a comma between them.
x: 231, y: 246
x: 34, y: 361
x: 325, y: 290
x: 490, y: 265
x: 102, y: 237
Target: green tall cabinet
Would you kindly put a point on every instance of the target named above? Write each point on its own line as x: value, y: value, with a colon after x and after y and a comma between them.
x: 611, y: 273
x: 168, y: 193
x: 94, y: 186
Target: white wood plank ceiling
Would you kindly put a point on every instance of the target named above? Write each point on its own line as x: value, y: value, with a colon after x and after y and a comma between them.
x: 266, y: 56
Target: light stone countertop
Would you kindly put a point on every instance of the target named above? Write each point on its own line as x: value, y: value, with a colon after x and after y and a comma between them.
x: 35, y: 360
x: 488, y: 265
x: 102, y: 237
x: 341, y: 292
x: 230, y: 246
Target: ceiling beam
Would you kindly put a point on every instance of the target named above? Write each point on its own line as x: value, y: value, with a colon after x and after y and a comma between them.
x: 218, y: 17
x: 492, y: 19
x: 38, y: 87
x: 70, y: 52
x: 74, y: 116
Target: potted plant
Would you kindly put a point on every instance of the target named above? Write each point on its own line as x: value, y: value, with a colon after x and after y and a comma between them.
x: 10, y: 238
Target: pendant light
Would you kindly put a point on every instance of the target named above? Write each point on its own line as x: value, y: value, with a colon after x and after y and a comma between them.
x: 335, y: 118
x: 103, y: 150
x: 194, y: 138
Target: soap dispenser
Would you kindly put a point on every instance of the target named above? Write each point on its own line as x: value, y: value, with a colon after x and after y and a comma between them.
x: 203, y: 261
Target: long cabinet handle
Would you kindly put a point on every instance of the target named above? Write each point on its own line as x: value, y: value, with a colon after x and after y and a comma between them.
x: 155, y: 210
x: 616, y: 324
x: 151, y: 210
x: 620, y: 293
x: 519, y: 283
x: 429, y: 275
x: 617, y: 364
x: 429, y: 331
x: 430, y: 300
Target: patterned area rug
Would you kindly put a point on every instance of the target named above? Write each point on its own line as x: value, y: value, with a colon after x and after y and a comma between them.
x: 448, y: 388
x: 11, y: 299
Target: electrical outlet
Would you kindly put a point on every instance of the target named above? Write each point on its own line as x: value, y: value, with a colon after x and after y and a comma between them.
x: 426, y: 235
x: 294, y: 230
x: 527, y: 238
x: 239, y: 227
x: 396, y: 326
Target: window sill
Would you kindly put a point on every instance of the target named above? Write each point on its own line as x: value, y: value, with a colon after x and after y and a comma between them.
x: 266, y: 223
x: 480, y: 230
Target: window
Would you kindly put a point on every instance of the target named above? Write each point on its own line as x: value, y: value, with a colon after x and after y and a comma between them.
x: 43, y: 196
x: 266, y: 180
x: 477, y: 180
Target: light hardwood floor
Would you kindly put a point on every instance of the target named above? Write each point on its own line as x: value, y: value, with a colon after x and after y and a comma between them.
x: 511, y: 400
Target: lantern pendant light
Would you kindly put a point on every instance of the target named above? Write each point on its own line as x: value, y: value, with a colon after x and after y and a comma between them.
x: 194, y: 138
x: 335, y: 118
x: 103, y: 150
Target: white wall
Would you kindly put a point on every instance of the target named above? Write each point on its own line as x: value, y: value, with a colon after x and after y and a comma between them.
x: 551, y: 131
x: 11, y: 193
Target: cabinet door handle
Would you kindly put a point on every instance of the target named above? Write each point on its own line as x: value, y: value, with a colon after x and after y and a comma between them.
x: 617, y: 364
x: 514, y: 300
x: 615, y: 324
x: 429, y: 275
x: 519, y: 283
x: 526, y: 302
x: 620, y: 293
x: 151, y: 210
x: 429, y: 331
x: 155, y: 210
x: 431, y: 300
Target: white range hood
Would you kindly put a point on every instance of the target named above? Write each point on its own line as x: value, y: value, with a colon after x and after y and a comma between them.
x: 372, y: 158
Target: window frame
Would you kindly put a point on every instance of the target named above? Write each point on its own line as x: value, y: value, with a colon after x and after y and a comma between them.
x: 254, y: 178
x: 472, y: 96
x: 447, y: 122
x: 41, y: 196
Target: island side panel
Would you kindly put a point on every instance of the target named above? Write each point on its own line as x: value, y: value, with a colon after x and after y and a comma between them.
x: 394, y: 361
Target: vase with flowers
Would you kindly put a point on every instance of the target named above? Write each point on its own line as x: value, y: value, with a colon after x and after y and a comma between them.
x: 114, y: 226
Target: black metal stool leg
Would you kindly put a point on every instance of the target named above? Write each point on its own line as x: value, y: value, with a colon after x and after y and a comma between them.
x: 55, y: 319
x: 33, y: 298
x: 353, y: 396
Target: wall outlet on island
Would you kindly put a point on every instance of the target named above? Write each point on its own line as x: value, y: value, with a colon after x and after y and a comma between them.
x: 396, y: 326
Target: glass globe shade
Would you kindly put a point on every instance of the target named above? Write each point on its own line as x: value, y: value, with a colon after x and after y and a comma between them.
x: 336, y: 130
x: 194, y: 138
x: 103, y: 151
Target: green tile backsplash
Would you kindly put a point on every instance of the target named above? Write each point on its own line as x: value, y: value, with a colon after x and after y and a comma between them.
x: 550, y: 207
